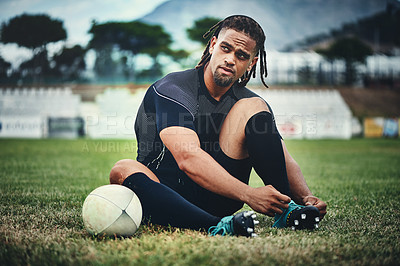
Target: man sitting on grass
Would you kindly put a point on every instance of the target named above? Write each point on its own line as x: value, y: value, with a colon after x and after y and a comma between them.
x: 201, y: 131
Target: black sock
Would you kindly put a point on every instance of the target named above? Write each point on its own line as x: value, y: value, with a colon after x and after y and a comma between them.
x: 163, y: 206
x: 266, y: 152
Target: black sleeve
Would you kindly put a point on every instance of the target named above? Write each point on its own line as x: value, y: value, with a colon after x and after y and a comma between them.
x: 170, y: 112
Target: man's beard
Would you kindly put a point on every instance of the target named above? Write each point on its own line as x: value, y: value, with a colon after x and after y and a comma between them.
x: 222, y: 80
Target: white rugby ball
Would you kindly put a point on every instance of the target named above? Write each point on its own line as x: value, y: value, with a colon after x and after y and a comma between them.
x: 112, y: 210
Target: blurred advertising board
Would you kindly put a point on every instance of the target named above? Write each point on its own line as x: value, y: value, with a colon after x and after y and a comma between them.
x: 22, y: 127
x: 373, y: 127
x: 391, y: 128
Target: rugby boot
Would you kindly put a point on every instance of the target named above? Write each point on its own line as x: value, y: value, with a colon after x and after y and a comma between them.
x: 298, y: 217
x: 241, y: 224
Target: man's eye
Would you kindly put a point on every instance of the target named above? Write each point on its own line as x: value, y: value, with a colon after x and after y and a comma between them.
x: 224, y: 48
x: 242, y: 56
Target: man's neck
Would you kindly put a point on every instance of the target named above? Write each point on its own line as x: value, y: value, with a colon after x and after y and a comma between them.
x: 215, y: 91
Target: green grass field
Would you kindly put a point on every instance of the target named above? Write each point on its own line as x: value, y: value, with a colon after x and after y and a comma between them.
x: 44, y: 184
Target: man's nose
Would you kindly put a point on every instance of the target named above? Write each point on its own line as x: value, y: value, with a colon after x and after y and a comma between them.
x: 229, y: 59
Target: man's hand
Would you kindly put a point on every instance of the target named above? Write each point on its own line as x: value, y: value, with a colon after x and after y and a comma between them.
x: 314, y: 201
x: 267, y: 200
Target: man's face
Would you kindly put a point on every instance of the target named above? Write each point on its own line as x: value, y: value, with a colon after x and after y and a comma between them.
x: 232, y: 54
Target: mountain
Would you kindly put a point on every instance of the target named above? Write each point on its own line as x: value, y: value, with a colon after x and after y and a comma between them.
x: 284, y: 21
x: 380, y: 31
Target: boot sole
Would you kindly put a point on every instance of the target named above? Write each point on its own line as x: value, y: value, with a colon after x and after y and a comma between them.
x: 305, y: 218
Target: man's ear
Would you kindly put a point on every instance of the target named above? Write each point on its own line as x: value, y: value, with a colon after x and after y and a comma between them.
x: 212, y: 44
x: 253, y: 62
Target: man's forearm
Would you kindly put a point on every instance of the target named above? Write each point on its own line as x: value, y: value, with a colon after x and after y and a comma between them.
x: 184, y: 145
x: 206, y: 172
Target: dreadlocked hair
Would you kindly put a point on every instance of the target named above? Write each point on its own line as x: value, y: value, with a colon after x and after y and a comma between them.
x: 249, y: 27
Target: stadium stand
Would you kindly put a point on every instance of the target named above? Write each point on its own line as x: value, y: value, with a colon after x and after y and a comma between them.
x: 310, y: 114
x: 26, y: 112
x: 113, y: 115
x: 57, y: 112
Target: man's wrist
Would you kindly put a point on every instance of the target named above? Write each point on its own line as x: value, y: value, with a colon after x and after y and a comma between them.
x: 245, y: 195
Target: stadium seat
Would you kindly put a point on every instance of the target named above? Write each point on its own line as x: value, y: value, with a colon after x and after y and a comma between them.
x: 310, y: 114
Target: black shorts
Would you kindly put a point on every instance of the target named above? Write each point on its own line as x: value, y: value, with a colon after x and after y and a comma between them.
x: 212, y: 203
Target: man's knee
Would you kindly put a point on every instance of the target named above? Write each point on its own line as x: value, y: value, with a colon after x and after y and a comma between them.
x: 126, y: 167
x: 121, y: 170
x: 250, y: 106
x: 240, y: 113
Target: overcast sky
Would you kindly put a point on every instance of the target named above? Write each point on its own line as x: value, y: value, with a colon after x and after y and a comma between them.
x: 76, y: 14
